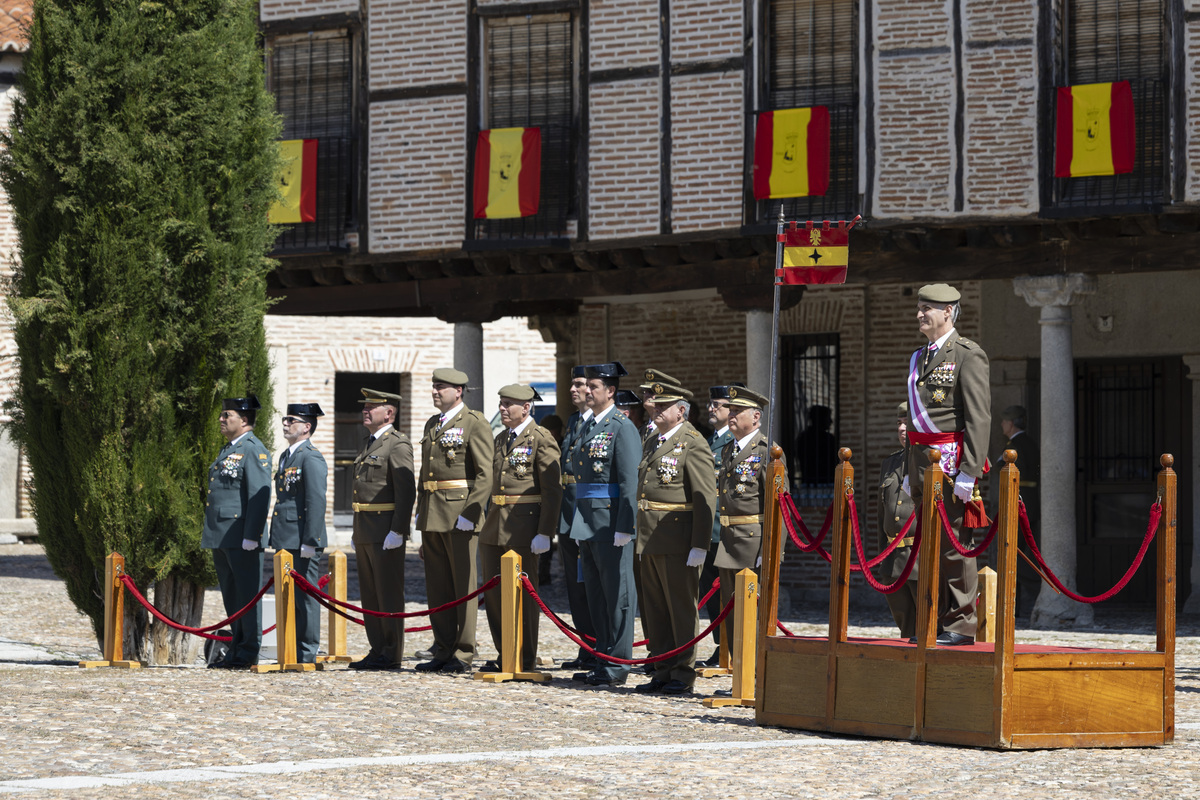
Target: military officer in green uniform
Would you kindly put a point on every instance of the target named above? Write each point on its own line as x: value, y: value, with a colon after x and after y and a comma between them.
x: 895, y: 508
x: 949, y: 404
x: 526, y: 497
x: 298, y: 522
x: 235, y: 518
x: 456, y: 477
x: 568, y: 548
x: 384, y: 492
x: 742, y: 491
x: 677, y: 495
x: 718, y: 419
x: 604, y: 462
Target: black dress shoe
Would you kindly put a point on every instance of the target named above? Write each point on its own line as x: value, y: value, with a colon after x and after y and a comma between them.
x: 651, y: 687
x: 218, y: 665
x: 369, y: 661
x: 723, y: 693
x: 951, y: 639
x: 648, y: 669
x: 676, y: 687
x: 236, y: 665
x: 595, y: 678
x: 574, y: 663
x: 714, y: 660
x: 455, y: 667
x: 912, y: 640
x: 423, y: 654
x: 491, y: 666
x: 431, y: 666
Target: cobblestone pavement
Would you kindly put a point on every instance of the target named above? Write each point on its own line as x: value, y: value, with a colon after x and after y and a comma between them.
x: 183, y: 732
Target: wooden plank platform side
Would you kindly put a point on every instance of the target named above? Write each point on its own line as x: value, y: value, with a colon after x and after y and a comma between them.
x: 1091, y: 659
x: 794, y: 685
x: 1081, y: 702
x: 882, y: 692
x: 958, y: 698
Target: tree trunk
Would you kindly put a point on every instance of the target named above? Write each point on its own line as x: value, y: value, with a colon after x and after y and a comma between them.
x: 183, y: 602
x: 134, y: 630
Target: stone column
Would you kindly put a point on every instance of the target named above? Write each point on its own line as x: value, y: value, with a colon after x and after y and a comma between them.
x: 758, y: 350
x: 1192, y: 605
x: 563, y: 330
x: 468, y: 357
x: 1053, y: 294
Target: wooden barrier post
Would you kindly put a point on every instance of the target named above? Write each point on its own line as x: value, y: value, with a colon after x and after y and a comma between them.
x: 1165, y: 581
x: 512, y: 596
x: 285, y: 620
x: 337, y: 623
x: 114, y: 617
x: 772, y: 559
x: 985, y: 609
x: 745, y: 643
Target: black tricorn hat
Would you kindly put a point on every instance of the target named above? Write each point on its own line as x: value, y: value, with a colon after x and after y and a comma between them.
x: 611, y: 370
x: 305, y: 410
x: 627, y: 398
x: 247, y: 403
x: 577, y: 371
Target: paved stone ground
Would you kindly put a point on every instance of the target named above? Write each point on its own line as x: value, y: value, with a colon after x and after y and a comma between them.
x: 182, y: 732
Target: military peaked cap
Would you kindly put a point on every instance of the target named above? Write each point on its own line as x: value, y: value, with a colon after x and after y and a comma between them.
x: 722, y: 392
x: 746, y: 398
x: 305, y: 410
x: 653, y: 376
x: 669, y: 392
x: 247, y: 403
x: 375, y: 396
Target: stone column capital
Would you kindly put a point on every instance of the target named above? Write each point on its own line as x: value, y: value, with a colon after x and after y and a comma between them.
x: 1042, y: 291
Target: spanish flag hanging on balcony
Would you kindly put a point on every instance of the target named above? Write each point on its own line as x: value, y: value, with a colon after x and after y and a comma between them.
x: 297, y: 183
x: 791, y: 153
x: 1094, y: 134
x: 508, y: 173
x: 815, y: 252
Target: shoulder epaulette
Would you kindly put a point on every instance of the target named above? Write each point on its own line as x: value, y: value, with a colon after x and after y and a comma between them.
x: 965, y: 342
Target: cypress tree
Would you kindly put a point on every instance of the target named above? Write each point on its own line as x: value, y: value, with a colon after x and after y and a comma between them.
x: 140, y: 165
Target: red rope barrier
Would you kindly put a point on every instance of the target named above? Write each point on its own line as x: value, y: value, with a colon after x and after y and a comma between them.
x: 1156, y: 511
x: 205, y: 631
x: 781, y: 627
x: 790, y: 511
x: 529, y: 590
x: 885, y: 588
x: 305, y: 586
x: 962, y: 549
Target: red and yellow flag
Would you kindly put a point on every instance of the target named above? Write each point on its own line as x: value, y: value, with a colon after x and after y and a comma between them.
x: 297, y: 183
x: 508, y: 173
x: 1094, y: 135
x: 791, y: 153
x: 815, y: 254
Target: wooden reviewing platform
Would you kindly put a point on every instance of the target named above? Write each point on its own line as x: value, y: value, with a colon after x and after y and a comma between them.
x: 1001, y: 695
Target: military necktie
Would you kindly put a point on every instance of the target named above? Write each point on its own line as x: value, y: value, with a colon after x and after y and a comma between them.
x: 512, y: 437
x: 283, y: 459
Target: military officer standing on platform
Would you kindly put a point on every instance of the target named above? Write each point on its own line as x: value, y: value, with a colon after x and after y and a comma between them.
x: 235, y: 518
x: 604, y: 462
x: 895, y: 508
x: 456, y: 476
x: 384, y: 492
x: 568, y: 548
x: 298, y: 522
x: 677, y: 495
x: 949, y: 403
x: 526, y: 497
x: 742, y: 493
x: 718, y: 418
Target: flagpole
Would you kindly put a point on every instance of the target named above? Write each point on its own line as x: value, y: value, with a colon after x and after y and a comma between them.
x: 772, y: 421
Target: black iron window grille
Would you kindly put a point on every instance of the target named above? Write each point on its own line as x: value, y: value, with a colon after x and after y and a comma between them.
x: 530, y: 82
x: 809, y: 372
x: 1102, y: 41
x: 811, y: 59
x: 311, y: 78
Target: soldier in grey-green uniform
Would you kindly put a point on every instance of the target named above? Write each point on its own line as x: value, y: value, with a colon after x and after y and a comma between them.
x: 568, y: 548
x: 677, y: 495
x: 949, y: 407
x: 235, y: 518
x: 895, y: 508
x: 298, y: 522
x: 526, y: 496
x: 384, y: 492
x: 456, y: 477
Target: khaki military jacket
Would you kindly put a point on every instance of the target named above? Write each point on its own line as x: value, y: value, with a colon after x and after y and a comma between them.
x: 527, y: 468
x: 460, y: 450
x: 743, y: 492
x: 678, y: 472
x: 383, y: 475
x: 953, y: 388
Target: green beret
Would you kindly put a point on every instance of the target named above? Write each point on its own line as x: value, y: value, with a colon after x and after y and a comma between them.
x: 453, y: 377
x: 941, y: 293
x: 653, y: 376
x: 518, y: 391
x: 746, y: 398
x: 902, y: 410
x: 375, y: 396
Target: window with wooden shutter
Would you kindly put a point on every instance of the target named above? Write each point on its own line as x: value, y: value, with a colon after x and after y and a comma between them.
x: 529, y: 81
x: 311, y: 78
x: 811, y: 59
x: 1102, y: 41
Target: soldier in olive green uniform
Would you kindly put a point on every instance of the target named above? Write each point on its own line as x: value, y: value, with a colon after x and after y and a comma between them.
x: 235, y: 518
x: 456, y: 476
x: 895, y: 508
x: 384, y: 491
x: 718, y: 418
x: 677, y: 496
x: 526, y: 496
x: 298, y: 522
x: 949, y: 404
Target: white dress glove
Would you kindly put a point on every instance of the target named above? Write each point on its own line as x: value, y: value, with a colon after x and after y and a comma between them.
x: 696, y: 557
x: 758, y: 563
x: 905, y: 487
x: 307, y: 552
x: 622, y: 539
x: 964, y: 485
x: 392, y: 541
x: 464, y: 524
x: 540, y: 544
x: 249, y: 544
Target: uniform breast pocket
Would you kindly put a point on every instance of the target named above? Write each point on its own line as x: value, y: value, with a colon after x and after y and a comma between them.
x: 226, y: 513
x: 290, y: 514
x: 454, y: 495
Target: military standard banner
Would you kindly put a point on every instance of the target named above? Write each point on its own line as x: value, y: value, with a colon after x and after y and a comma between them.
x: 791, y: 153
x: 1094, y: 134
x: 508, y: 173
x: 297, y: 183
x: 815, y: 254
